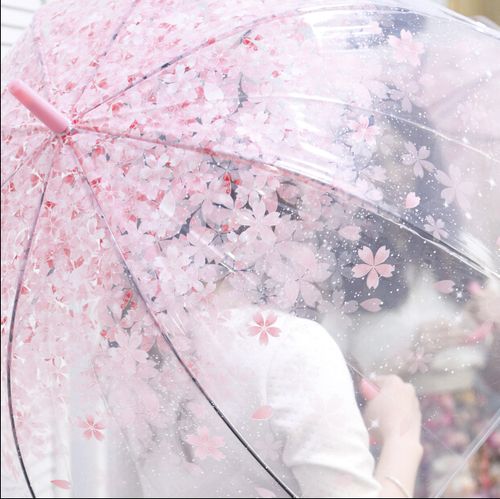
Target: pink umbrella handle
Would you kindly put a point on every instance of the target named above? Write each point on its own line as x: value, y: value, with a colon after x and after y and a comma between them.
x: 368, y: 389
x: 44, y: 111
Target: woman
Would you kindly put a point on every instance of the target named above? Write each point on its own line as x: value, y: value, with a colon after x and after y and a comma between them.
x: 284, y: 384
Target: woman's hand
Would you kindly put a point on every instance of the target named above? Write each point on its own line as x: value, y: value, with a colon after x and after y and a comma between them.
x: 393, y: 409
x: 393, y: 412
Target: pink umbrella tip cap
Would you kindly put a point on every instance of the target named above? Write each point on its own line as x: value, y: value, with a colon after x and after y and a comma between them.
x: 38, y: 106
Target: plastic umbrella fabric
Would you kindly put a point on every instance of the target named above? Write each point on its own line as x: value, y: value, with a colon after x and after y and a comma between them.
x: 218, y: 196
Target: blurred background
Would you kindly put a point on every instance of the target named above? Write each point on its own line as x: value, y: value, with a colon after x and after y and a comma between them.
x: 17, y: 14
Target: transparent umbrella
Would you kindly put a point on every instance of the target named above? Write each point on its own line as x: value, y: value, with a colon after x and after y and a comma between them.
x: 211, y: 210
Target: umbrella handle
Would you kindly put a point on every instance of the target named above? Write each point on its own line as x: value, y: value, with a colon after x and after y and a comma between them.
x: 368, y: 389
x: 42, y: 109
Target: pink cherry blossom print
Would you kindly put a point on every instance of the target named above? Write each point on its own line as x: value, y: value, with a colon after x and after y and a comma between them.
x: 264, y: 327
x: 263, y: 413
x: 259, y: 224
x: 351, y: 232
x: 129, y: 353
x: 456, y: 187
x: 362, y: 131
x: 418, y: 361
x: 205, y: 445
x: 411, y: 201
x: 406, y: 49
x: 61, y: 484
x: 373, y: 266
x: 300, y: 277
x: 417, y: 158
x: 92, y: 428
x: 435, y: 227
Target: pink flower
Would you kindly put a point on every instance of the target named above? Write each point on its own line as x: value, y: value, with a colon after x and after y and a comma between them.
x: 298, y: 275
x: 259, y: 224
x: 129, y: 352
x: 362, y: 131
x: 264, y: 327
x: 92, y: 428
x: 418, y: 361
x: 435, y: 227
x: 417, y: 159
x: 406, y: 49
x: 205, y: 445
x: 373, y: 266
x: 252, y: 125
x: 455, y: 187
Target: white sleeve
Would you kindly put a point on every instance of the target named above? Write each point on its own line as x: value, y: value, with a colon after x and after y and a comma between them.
x: 316, y: 415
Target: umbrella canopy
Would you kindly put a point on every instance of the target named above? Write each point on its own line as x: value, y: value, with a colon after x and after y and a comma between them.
x: 218, y: 197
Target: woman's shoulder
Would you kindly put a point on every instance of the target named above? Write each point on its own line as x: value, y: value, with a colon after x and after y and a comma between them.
x: 282, y: 333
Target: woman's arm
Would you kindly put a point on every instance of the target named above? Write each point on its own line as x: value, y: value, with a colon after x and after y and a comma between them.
x: 316, y: 416
x: 397, y: 467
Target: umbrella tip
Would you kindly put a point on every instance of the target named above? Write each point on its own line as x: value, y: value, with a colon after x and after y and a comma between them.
x: 38, y: 106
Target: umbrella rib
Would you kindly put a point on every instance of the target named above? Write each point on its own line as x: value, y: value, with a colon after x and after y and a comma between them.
x: 10, y: 350
x: 167, y: 339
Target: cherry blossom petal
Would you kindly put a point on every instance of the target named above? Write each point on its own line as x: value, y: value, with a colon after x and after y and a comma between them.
x: 412, y: 200
x: 372, y: 280
x: 271, y: 318
x: 372, y: 304
x: 263, y: 413
x: 259, y: 319
x: 62, y: 484
x: 254, y: 330
x: 381, y: 256
x: 274, y: 331
x: 385, y: 270
x: 361, y: 269
x: 264, y: 339
x: 366, y: 255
